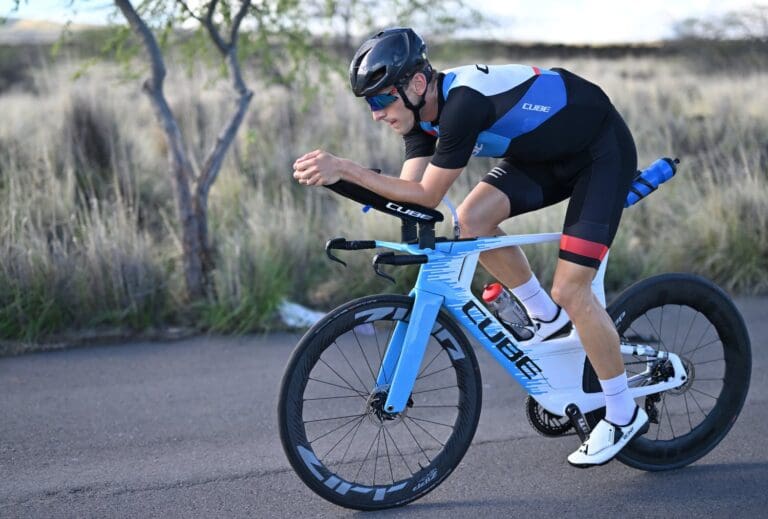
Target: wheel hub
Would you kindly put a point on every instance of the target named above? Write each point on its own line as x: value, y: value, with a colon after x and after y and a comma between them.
x: 375, y: 408
x: 690, y: 371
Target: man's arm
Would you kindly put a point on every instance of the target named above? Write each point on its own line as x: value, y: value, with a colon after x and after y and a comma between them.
x: 413, y: 169
x: 428, y: 191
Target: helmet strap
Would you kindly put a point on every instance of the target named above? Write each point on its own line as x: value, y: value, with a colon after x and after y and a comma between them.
x: 422, y: 100
x: 413, y: 108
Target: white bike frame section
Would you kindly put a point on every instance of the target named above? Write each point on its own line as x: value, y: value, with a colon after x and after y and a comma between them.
x: 551, y: 372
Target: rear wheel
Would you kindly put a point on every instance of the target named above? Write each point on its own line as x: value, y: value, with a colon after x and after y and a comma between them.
x: 333, y: 426
x: 693, y: 318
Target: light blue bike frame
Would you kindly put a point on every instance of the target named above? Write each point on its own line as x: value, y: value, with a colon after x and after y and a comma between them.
x: 551, y: 371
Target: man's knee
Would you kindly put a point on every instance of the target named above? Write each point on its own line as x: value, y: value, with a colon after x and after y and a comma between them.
x: 572, y: 294
x: 472, y: 222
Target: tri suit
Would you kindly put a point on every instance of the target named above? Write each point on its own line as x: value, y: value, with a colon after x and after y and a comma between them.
x: 558, y: 136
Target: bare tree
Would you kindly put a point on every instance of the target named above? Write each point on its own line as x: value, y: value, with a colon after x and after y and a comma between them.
x: 192, y: 188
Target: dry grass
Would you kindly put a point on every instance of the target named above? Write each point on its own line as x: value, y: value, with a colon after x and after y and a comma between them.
x: 87, y: 227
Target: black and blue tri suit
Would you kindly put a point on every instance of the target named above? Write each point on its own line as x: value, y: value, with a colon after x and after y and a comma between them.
x: 558, y: 136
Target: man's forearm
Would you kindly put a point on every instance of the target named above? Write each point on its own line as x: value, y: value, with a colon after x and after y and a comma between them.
x: 389, y: 187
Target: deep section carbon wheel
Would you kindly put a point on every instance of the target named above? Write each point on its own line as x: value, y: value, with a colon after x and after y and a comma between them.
x: 333, y: 426
x: 693, y: 318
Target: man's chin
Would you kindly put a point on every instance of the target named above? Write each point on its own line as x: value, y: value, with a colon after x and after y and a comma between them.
x: 398, y: 128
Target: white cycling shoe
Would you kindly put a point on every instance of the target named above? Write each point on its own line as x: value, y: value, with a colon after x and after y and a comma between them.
x: 607, y: 439
x: 543, y: 330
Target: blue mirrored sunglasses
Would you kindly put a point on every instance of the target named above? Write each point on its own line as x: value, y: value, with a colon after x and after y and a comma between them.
x: 381, y: 101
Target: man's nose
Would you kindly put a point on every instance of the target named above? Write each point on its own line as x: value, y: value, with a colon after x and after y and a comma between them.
x: 377, y: 115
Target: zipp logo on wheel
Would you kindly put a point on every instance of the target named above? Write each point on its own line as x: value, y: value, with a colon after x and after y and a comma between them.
x: 340, y: 486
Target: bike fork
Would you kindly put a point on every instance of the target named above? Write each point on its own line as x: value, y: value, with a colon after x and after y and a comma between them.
x: 405, y: 351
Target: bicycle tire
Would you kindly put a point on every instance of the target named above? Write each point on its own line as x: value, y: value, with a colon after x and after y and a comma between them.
x: 305, y: 390
x: 639, y: 314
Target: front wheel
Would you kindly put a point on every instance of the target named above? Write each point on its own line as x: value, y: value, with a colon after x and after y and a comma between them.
x: 693, y: 318
x: 333, y: 426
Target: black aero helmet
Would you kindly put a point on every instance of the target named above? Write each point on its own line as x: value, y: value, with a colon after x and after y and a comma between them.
x: 389, y: 58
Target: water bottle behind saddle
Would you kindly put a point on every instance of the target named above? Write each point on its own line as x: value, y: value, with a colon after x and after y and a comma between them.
x: 649, y: 179
x: 509, y: 311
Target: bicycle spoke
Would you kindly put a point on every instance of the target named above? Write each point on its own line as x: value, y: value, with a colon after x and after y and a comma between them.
x: 376, y: 457
x: 661, y: 422
x: 698, y: 405
x: 389, y: 460
x: 354, y: 435
x: 366, y: 455
x: 710, y: 361
x: 350, y: 364
x: 423, y: 429
x: 362, y: 395
x: 381, y: 353
x: 394, y: 443
x: 430, y: 421
x: 661, y: 320
x: 334, y: 418
x: 363, y: 354
x: 704, y: 334
x: 677, y: 325
x: 342, y: 378
x: 693, y: 352
x: 354, y: 427
x: 669, y: 417
x: 334, y: 430
x: 687, y: 411
x: 430, y: 362
x: 330, y: 398
x: 690, y: 328
x: 434, y: 373
x: 430, y: 390
x: 417, y: 442
x: 703, y: 393
x: 658, y: 335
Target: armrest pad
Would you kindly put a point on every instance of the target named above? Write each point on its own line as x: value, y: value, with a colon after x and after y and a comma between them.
x: 404, y: 210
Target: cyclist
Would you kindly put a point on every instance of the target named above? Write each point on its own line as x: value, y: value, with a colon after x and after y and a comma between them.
x: 558, y: 136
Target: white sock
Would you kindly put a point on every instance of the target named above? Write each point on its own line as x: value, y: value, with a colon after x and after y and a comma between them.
x: 619, y: 406
x: 535, y: 299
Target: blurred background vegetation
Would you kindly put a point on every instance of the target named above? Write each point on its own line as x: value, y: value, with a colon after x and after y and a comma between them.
x: 88, y: 233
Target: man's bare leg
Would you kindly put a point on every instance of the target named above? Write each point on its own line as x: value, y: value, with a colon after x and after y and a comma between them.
x: 480, y: 215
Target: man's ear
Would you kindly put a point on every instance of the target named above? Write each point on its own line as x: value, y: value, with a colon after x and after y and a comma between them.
x: 419, y: 83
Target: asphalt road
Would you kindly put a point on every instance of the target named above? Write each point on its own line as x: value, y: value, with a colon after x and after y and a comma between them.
x: 187, y: 429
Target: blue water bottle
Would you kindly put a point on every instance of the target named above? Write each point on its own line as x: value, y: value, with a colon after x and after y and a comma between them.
x: 651, y: 178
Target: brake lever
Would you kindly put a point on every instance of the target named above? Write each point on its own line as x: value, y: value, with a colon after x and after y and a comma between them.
x: 333, y: 244
x: 376, y: 267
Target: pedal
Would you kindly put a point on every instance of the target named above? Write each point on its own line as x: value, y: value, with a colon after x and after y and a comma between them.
x: 578, y: 421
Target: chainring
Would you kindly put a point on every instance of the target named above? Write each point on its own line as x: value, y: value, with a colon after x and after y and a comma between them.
x: 544, y: 422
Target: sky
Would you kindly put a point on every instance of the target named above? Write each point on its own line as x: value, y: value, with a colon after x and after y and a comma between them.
x: 554, y: 21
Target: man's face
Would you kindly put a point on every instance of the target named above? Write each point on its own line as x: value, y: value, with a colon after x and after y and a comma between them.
x: 395, y: 113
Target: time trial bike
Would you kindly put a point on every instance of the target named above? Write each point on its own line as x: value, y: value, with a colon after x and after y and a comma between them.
x: 381, y: 398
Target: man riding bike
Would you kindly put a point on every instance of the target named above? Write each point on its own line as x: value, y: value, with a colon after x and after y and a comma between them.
x: 558, y: 136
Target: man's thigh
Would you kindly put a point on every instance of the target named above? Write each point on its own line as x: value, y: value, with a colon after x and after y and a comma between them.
x: 527, y: 186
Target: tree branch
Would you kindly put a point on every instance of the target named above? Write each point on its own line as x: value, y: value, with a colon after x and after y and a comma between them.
x: 215, y: 157
x: 212, y: 30
x: 140, y: 27
x: 189, y: 11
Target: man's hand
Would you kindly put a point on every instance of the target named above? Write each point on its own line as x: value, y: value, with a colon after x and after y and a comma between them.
x: 317, y: 168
